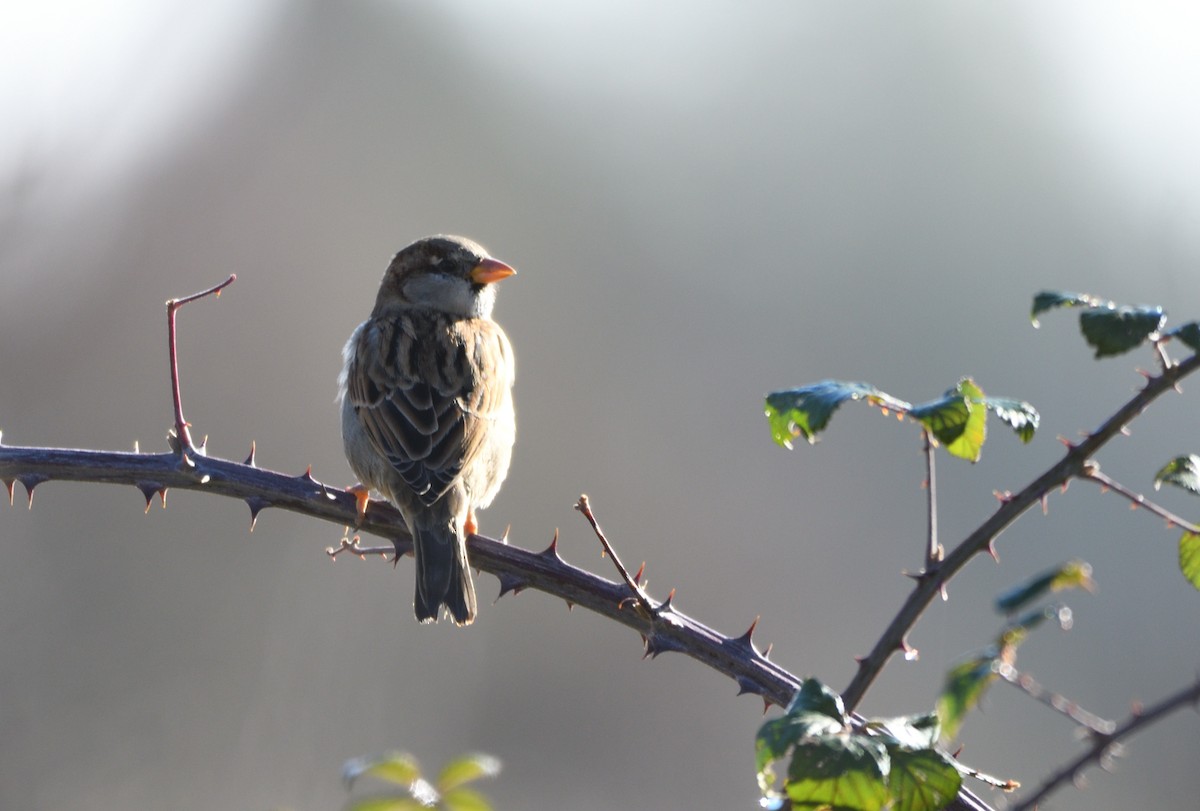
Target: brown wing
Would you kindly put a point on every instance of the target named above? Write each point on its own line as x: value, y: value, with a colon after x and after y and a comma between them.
x: 421, y: 386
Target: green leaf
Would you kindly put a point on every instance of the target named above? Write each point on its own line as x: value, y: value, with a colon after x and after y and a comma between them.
x: 922, y: 779
x: 394, y: 767
x: 1189, y: 333
x: 1051, y: 299
x: 839, y: 773
x: 465, y: 799
x: 813, y: 696
x: 776, y: 738
x: 1189, y: 557
x: 958, y: 419
x: 1073, y: 574
x: 964, y: 687
x: 1182, y: 471
x: 804, y: 412
x: 1113, y: 330
x: 465, y: 770
x: 1017, y: 414
x: 911, y: 731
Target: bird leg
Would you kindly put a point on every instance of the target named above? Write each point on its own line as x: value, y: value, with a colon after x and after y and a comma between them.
x: 362, y: 497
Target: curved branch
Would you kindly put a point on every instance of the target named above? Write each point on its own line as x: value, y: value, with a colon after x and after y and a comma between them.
x: 667, y: 630
x: 930, y: 584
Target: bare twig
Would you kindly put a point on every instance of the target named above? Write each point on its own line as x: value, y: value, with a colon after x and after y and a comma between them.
x: 1092, y: 473
x: 1071, y: 465
x: 933, y: 550
x: 1102, y: 744
x: 182, y: 434
x: 1055, y: 701
x: 639, y: 594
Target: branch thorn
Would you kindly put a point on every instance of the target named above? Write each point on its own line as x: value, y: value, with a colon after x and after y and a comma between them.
x: 256, y: 506
x: 30, y: 481
x: 551, y: 551
x: 250, y: 459
x: 9, y: 484
x: 149, y: 490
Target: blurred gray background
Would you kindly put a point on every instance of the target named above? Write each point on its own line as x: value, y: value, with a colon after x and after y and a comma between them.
x: 706, y: 201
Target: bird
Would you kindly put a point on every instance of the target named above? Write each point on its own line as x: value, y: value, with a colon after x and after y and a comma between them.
x: 427, y: 409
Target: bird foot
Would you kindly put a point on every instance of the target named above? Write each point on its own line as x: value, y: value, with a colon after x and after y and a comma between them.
x: 362, y: 497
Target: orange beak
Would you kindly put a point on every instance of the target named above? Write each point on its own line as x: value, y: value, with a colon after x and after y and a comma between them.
x: 490, y: 270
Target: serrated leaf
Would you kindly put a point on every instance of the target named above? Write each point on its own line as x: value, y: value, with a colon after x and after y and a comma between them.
x: 1112, y: 330
x: 1017, y: 414
x: 804, y: 412
x: 839, y: 773
x: 958, y: 420
x: 465, y: 799
x: 394, y: 767
x: 1189, y: 557
x: 1182, y: 471
x: 1051, y: 299
x: 1189, y: 333
x: 965, y: 685
x: 465, y: 770
x: 1073, y: 574
x: 922, y: 779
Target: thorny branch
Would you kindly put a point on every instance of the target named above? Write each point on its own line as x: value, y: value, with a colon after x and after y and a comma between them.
x: 662, y: 626
x: 1092, y: 473
x: 981, y: 540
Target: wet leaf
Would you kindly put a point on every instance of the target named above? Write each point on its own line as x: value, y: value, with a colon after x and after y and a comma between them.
x: 1052, y: 299
x: 1112, y: 330
x: 467, y: 769
x: 1017, y: 414
x: 393, y: 767
x: 842, y: 773
x: 1189, y: 333
x: 804, y: 412
x: 958, y: 420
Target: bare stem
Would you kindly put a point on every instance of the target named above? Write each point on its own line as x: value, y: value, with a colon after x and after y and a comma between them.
x: 639, y: 593
x: 933, y: 551
x: 1103, y: 744
x: 182, y: 433
x: 1092, y: 473
x: 1055, y: 701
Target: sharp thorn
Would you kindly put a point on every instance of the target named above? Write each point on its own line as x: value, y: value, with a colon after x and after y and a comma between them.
x: 30, y: 481
x: 149, y: 489
x: 307, y: 475
x: 746, y: 686
x: 504, y: 537
x: 766, y: 654
x: 136, y: 447
x: 637, y: 578
x: 665, y: 605
x: 9, y: 484
x: 510, y: 583
x: 991, y: 550
x: 256, y: 506
x: 551, y: 551
x: 747, y: 639
x: 250, y: 459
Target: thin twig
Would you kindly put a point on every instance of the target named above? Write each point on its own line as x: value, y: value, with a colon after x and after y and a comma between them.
x: 1101, y: 744
x: 926, y: 589
x: 1092, y: 473
x: 182, y: 434
x: 639, y: 594
x: 1055, y: 701
x: 933, y: 550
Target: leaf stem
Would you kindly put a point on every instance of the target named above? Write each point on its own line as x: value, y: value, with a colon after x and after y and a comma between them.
x: 183, y: 435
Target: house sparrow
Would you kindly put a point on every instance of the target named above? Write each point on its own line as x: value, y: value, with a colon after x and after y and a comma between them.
x: 427, y: 410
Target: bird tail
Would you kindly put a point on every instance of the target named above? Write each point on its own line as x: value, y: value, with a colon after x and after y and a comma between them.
x: 443, y: 576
